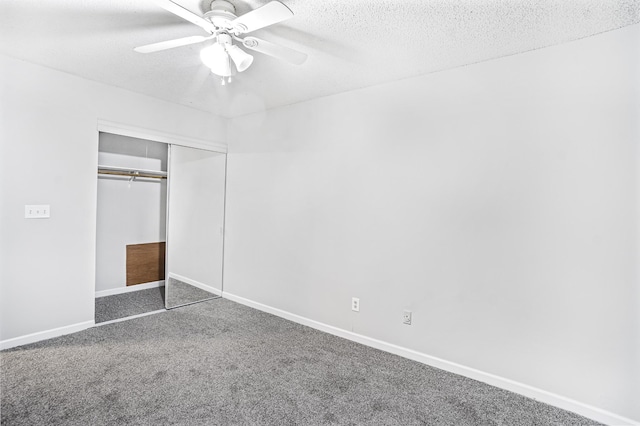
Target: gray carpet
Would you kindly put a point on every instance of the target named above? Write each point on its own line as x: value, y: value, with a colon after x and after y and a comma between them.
x: 221, y: 363
x: 128, y: 304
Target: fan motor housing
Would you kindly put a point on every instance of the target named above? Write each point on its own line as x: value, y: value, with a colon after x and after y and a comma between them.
x: 221, y: 14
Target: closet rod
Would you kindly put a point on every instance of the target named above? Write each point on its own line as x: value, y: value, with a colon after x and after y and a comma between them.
x: 132, y: 173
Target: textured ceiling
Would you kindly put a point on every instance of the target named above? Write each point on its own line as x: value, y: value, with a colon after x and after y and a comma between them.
x: 350, y: 43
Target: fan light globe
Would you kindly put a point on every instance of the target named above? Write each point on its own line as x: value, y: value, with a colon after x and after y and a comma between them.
x: 241, y: 58
x: 217, y: 59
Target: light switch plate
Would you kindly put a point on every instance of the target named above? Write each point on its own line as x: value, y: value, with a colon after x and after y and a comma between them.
x: 37, y: 211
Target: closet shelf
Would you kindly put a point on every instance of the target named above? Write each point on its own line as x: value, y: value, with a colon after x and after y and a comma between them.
x: 131, y: 173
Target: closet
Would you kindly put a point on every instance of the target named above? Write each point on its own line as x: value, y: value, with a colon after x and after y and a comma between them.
x: 160, y: 226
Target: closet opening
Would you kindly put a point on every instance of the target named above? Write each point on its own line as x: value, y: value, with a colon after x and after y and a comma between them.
x: 131, y: 227
x: 160, y: 225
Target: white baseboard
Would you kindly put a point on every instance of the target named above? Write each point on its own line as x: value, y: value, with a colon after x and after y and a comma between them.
x: 128, y: 289
x: 541, y: 395
x: 43, y: 335
x: 195, y: 283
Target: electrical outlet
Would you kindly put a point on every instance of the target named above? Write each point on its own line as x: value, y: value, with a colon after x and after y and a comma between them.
x: 355, y: 304
x: 406, y: 317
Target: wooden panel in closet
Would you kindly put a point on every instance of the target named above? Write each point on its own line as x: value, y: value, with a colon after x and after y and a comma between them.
x: 145, y: 263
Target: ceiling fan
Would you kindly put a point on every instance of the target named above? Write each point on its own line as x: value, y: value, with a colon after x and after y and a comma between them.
x: 223, y: 26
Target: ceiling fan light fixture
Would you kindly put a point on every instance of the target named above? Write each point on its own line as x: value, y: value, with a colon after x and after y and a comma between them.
x: 241, y: 58
x: 222, y: 24
x: 216, y: 58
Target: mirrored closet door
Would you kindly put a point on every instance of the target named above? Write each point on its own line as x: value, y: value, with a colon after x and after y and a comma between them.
x: 195, y: 225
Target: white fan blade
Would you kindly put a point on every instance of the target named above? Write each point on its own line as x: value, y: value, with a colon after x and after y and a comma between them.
x: 269, y: 14
x: 277, y: 51
x: 185, y: 14
x: 170, y: 44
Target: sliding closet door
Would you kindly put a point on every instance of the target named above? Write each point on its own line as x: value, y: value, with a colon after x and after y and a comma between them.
x: 195, y: 225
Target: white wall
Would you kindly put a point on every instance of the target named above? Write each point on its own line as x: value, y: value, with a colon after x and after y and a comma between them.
x: 498, y: 202
x: 48, y: 155
x: 129, y: 212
